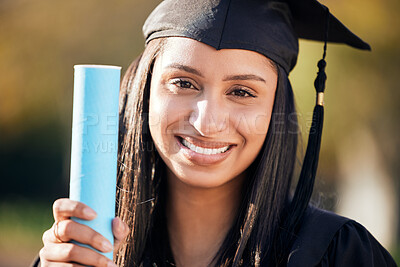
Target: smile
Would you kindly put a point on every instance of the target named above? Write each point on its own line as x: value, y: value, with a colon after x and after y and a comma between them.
x: 203, y: 150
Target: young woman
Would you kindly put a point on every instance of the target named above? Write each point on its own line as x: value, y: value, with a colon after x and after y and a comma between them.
x: 208, y: 143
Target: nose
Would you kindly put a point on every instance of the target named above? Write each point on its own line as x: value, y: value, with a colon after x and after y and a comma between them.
x: 209, y: 117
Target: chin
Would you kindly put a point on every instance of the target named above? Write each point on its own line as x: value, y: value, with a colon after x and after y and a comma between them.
x: 203, y: 179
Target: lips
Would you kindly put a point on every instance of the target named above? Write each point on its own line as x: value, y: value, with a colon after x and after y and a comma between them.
x: 203, y: 150
x: 203, y: 153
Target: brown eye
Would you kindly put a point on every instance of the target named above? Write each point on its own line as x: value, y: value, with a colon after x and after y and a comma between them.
x: 183, y: 84
x: 242, y: 93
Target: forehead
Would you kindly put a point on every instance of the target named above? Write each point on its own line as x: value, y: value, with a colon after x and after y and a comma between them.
x: 190, y: 52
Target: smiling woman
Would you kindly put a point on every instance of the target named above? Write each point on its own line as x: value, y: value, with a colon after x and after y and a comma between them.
x: 205, y: 107
x: 202, y: 199
x: 207, y: 148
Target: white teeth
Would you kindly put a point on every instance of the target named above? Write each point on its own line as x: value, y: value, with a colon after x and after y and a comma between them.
x: 202, y: 150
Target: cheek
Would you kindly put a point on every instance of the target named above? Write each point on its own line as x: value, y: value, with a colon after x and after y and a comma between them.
x: 166, y: 117
x: 253, y: 124
x: 253, y: 129
x: 261, y: 124
x: 157, y: 117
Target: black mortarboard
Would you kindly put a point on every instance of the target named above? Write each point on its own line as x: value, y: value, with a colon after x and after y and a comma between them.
x: 272, y: 28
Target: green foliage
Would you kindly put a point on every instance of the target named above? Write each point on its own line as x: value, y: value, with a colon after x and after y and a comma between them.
x: 22, y: 224
x: 23, y: 220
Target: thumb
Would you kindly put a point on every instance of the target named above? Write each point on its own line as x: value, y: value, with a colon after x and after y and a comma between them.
x: 120, y: 231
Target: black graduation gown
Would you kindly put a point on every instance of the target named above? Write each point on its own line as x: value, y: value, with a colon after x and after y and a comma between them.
x: 327, y: 239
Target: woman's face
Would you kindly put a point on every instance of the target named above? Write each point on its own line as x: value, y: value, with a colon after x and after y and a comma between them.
x: 209, y: 110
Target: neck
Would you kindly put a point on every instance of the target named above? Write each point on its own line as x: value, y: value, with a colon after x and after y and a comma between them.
x: 198, y: 219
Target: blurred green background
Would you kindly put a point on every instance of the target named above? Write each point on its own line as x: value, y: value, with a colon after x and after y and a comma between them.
x: 41, y: 40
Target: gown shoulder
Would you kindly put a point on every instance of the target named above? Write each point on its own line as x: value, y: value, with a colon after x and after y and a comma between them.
x: 327, y: 239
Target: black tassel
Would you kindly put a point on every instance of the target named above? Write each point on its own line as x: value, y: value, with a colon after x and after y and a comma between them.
x: 306, y: 181
x: 319, y: 82
x: 292, y: 219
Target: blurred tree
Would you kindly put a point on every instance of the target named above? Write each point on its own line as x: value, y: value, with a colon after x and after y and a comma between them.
x: 40, y: 42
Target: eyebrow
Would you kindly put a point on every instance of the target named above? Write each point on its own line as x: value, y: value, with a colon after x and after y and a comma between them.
x: 242, y: 77
x: 184, y: 68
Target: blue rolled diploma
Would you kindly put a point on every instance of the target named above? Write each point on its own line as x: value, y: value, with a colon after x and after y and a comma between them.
x: 94, y: 145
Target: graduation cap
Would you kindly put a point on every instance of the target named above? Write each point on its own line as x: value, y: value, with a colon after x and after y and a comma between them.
x: 272, y: 28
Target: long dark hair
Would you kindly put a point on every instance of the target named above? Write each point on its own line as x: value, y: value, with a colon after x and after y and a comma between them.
x: 256, y: 235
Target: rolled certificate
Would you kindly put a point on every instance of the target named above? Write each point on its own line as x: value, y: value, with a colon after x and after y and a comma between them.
x: 95, y: 143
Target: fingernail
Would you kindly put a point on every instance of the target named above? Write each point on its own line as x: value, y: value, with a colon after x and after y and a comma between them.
x: 89, y: 212
x: 121, y: 226
x: 107, y: 245
x: 111, y: 264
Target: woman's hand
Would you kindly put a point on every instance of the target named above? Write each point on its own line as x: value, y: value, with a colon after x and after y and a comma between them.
x: 58, y: 252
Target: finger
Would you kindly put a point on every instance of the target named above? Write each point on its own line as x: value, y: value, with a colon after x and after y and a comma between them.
x: 65, y: 208
x: 68, y: 230
x: 48, y: 236
x: 120, y: 231
x: 68, y: 252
